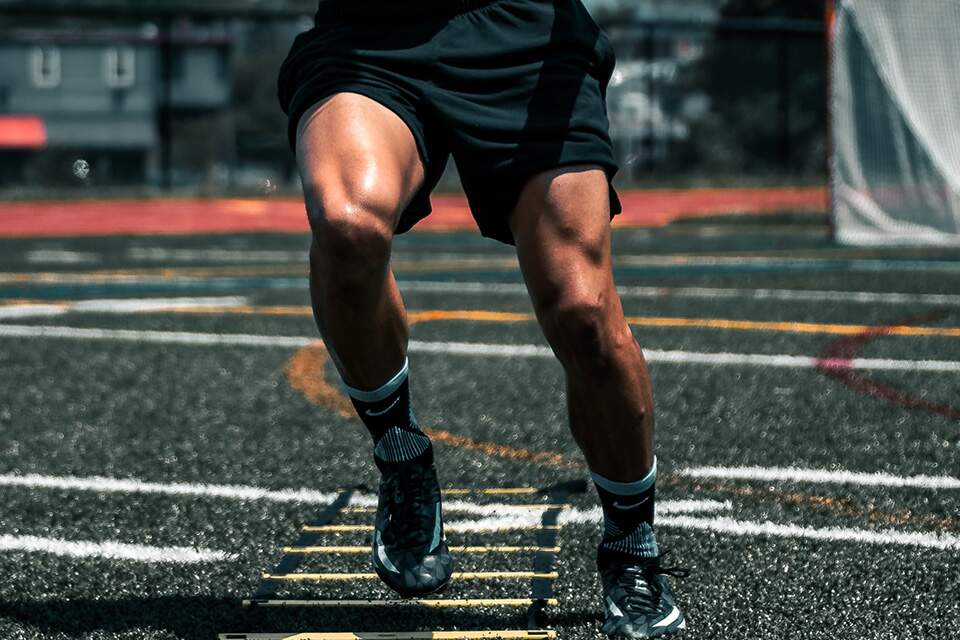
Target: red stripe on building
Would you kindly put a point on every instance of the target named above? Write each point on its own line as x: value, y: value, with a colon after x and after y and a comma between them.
x: 22, y: 132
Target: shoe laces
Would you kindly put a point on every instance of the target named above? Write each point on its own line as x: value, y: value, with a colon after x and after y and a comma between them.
x: 639, y: 582
x: 411, y: 506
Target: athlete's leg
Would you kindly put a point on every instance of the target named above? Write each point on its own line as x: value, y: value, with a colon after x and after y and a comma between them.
x: 359, y: 166
x: 562, y: 229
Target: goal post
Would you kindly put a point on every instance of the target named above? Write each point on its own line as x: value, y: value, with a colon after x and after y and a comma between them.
x: 895, y: 121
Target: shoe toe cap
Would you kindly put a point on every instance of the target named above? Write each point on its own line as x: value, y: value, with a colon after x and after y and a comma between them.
x: 418, y: 575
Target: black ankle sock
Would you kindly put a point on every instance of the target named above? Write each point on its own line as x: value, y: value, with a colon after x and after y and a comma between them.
x: 388, y: 416
x: 628, y: 511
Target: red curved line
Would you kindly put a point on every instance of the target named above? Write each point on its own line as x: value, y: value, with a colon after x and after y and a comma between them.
x: 835, y: 363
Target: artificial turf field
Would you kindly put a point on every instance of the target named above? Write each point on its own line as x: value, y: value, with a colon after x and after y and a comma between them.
x: 168, y: 425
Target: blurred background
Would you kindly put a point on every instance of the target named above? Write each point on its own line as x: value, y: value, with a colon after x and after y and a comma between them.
x: 141, y: 97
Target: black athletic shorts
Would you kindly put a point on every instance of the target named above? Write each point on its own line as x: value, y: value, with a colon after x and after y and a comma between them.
x: 510, y: 88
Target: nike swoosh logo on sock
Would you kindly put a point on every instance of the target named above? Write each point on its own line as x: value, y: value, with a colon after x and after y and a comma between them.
x: 624, y: 507
x: 374, y: 414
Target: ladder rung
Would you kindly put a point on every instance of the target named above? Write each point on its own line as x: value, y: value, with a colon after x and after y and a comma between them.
x: 464, y: 575
x: 413, y: 602
x: 505, y: 634
x: 342, y: 528
x: 484, y: 491
x: 460, y: 549
x: 454, y: 507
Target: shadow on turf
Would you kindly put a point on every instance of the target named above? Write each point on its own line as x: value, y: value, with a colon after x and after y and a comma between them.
x: 196, y: 618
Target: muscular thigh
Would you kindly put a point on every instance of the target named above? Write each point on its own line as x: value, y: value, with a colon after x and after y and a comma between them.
x: 562, y: 229
x: 355, y: 155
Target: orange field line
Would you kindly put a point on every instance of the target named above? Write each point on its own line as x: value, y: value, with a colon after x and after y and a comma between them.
x: 306, y: 373
x: 480, y: 315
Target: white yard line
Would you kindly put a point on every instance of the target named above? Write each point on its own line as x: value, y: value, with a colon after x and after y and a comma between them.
x: 680, y: 261
x: 702, y: 293
x: 573, y: 515
x: 670, y: 516
x: 159, y: 337
x: 135, y: 305
x: 111, y: 550
x: 694, y: 357
x: 498, y: 517
x: 798, y: 362
x: 244, y: 492
x: 167, y: 255
x: 117, y: 305
x: 821, y: 476
x: 120, y: 485
x: 502, y: 519
x: 481, y: 349
x: 730, y: 526
x: 60, y: 256
x: 31, y: 311
x: 225, y: 255
x: 99, y: 484
x: 657, y: 356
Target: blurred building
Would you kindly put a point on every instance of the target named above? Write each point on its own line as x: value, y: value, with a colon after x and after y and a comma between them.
x: 182, y: 93
x: 655, y: 9
x: 103, y: 93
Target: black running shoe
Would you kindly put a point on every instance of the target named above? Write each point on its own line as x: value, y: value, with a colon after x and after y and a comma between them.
x: 637, y: 598
x: 409, y: 549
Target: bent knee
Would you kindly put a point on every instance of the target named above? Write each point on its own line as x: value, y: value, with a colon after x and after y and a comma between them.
x: 353, y: 221
x: 586, y: 331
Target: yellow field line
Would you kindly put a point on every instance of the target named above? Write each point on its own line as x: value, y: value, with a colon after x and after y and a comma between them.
x: 459, y: 549
x: 504, y: 634
x: 413, y: 602
x: 701, y: 323
x: 792, y: 327
x: 510, y: 507
x: 487, y: 491
x: 241, y: 310
x: 493, y: 491
x: 463, y: 575
x: 662, y: 322
x: 343, y: 528
x: 471, y: 315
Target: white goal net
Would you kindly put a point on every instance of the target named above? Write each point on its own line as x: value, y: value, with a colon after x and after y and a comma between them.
x: 895, y: 103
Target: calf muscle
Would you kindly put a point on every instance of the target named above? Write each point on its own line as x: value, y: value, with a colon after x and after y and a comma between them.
x: 360, y: 168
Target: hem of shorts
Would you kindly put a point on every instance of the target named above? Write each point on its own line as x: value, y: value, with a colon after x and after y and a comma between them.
x: 528, y: 172
x: 387, y: 11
